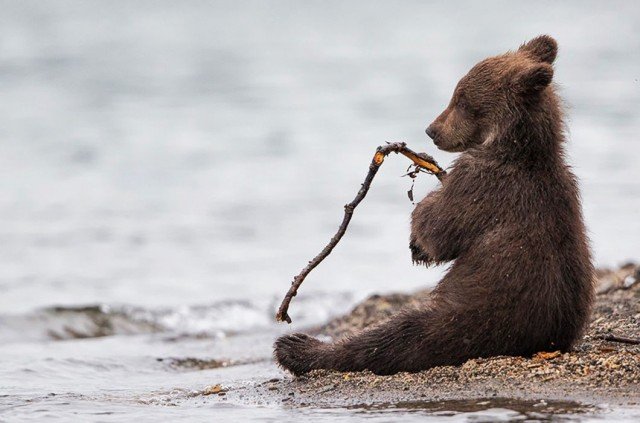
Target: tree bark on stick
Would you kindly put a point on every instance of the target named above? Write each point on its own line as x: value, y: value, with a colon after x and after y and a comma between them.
x: 422, y: 163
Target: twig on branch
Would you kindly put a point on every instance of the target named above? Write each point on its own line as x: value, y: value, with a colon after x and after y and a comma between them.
x: 422, y: 163
x: 621, y: 339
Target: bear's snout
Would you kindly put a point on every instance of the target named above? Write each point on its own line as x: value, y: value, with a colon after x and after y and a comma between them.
x: 432, y: 132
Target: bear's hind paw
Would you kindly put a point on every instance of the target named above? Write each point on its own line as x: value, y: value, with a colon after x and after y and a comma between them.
x: 298, y: 353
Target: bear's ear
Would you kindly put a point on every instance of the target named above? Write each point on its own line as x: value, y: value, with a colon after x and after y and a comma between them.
x: 542, y: 49
x: 534, y: 78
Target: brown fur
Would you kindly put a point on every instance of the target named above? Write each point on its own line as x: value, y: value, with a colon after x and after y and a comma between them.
x: 509, y: 215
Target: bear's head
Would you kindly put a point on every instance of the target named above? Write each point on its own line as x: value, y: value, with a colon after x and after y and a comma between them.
x: 495, y: 92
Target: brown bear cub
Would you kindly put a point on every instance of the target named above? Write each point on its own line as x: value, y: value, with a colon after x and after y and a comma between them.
x: 508, y: 215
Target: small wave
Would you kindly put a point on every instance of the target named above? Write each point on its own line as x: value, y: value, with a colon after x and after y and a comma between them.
x: 91, y: 321
x: 219, y: 319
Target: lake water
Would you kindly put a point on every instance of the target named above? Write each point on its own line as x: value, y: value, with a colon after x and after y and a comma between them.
x: 167, y: 167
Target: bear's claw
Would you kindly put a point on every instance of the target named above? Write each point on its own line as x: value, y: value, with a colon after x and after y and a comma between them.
x: 418, y: 256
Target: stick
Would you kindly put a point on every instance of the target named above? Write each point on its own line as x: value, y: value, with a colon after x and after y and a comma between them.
x: 422, y: 162
x: 622, y: 340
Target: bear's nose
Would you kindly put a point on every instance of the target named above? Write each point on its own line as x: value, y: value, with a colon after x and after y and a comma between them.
x: 431, y: 132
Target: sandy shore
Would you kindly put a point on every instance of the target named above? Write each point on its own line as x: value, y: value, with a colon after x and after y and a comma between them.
x: 600, y: 370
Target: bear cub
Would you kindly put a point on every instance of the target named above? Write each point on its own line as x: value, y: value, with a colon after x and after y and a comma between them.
x: 507, y: 216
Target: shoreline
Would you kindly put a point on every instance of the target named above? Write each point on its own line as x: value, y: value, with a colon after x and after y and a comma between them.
x: 597, y: 371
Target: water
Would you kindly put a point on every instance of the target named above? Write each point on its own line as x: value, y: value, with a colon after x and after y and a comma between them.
x: 166, y: 168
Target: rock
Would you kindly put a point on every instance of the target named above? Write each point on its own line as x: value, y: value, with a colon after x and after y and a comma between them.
x: 213, y: 390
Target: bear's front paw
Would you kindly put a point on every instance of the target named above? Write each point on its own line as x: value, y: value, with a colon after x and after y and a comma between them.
x: 298, y: 353
x: 418, y: 256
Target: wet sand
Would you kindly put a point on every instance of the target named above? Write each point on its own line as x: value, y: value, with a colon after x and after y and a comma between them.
x: 599, y: 370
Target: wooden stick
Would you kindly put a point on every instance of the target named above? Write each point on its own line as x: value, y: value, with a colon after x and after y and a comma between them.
x: 422, y: 162
x: 621, y: 339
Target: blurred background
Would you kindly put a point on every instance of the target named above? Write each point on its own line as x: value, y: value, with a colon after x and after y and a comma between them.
x: 167, y: 167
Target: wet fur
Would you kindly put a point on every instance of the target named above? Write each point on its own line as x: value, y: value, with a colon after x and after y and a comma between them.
x: 508, y: 215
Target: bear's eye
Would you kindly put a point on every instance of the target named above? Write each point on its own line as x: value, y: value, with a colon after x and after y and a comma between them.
x: 463, y: 104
